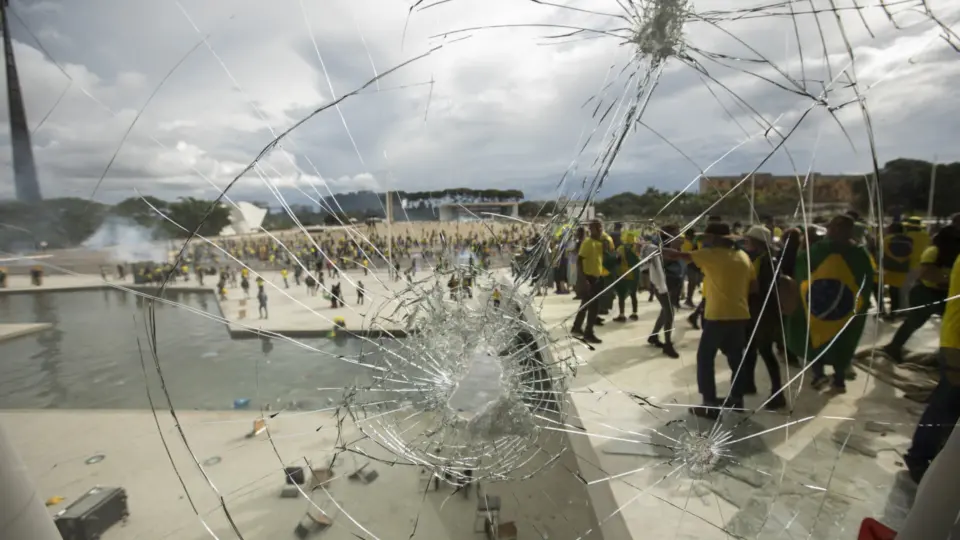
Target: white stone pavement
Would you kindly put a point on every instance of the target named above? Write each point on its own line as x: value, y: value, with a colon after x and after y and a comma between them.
x: 249, y: 476
x: 680, y: 506
x: 294, y: 312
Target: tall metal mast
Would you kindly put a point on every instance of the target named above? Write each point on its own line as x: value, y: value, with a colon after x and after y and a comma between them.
x: 24, y: 169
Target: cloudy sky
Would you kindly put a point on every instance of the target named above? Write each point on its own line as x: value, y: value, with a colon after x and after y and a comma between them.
x: 206, y: 84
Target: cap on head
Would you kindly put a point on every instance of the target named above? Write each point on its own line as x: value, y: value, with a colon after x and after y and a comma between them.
x: 760, y: 234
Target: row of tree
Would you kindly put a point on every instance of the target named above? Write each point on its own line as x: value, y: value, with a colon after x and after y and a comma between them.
x: 903, y: 187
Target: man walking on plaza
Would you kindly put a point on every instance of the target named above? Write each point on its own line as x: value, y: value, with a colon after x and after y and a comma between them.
x: 262, y: 299
x: 589, y: 282
x: 728, y: 279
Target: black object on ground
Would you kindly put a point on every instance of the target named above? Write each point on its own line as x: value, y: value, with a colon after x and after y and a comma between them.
x: 92, y: 514
x: 294, y: 475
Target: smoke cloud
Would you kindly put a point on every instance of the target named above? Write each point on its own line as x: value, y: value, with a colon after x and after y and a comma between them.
x: 127, y: 240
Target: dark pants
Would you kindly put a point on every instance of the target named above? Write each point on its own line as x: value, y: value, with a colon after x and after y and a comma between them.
x: 589, y: 305
x: 606, y: 300
x: 727, y: 337
x: 630, y: 289
x: 936, y: 423
x: 665, y: 319
x: 693, y: 281
x: 762, y: 345
x: 674, y: 286
x: 925, y: 303
x: 894, y: 298
x: 819, y: 371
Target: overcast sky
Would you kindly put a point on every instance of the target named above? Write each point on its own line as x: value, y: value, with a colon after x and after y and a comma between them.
x: 506, y: 108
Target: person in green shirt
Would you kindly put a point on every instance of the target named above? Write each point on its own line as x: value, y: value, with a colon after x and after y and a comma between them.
x: 628, y: 276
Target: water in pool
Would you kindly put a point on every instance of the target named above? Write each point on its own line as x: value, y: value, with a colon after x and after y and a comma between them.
x: 90, y: 358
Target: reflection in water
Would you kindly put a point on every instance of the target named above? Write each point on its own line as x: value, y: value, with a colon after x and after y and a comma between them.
x: 49, y: 342
x: 91, y: 358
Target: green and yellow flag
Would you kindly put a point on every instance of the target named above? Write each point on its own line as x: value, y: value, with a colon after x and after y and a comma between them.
x: 897, y: 252
x: 835, y: 294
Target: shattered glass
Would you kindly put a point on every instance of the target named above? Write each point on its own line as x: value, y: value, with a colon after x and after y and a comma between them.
x: 498, y: 401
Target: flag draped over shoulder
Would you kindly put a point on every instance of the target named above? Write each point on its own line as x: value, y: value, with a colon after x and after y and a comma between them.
x: 834, y: 290
x: 898, y: 251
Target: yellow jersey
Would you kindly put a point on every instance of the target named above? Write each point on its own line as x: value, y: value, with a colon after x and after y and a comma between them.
x: 591, y: 254
x: 921, y: 241
x: 726, y: 285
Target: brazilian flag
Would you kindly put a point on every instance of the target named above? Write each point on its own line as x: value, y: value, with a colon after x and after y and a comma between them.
x: 835, y: 294
x: 898, y: 250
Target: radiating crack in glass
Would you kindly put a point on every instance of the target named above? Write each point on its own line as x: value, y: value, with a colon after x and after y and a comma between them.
x: 482, y: 390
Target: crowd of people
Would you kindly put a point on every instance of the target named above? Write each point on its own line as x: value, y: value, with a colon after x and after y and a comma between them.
x: 805, y: 290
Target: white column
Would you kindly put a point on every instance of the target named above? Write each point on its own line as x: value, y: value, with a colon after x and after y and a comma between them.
x: 936, y: 509
x: 22, y: 512
x: 390, y: 231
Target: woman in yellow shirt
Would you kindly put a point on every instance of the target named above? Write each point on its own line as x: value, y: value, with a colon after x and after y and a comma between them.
x: 928, y: 294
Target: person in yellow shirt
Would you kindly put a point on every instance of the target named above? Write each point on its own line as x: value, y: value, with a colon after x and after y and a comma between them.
x: 590, y: 282
x: 928, y: 294
x: 283, y: 274
x: 610, y: 274
x: 913, y: 227
x: 943, y: 408
x: 728, y: 278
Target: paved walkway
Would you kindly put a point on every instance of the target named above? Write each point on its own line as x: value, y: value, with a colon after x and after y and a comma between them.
x: 248, y: 473
x: 292, y: 311
x: 786, y: 471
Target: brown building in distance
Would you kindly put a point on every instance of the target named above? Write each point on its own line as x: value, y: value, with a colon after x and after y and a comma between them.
x: 827, y: 188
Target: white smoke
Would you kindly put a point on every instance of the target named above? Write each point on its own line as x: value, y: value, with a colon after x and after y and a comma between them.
x: 127, y: 241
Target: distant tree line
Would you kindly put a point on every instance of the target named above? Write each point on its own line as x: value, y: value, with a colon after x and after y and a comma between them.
x: 903, y: 186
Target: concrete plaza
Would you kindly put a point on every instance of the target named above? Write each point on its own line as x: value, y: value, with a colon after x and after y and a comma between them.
x: 814, y: 471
